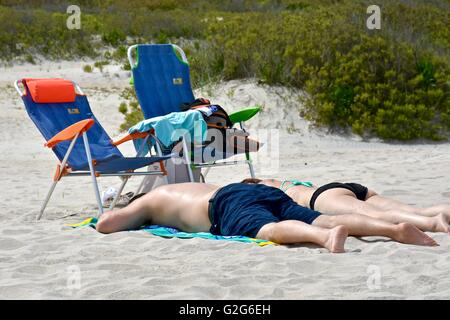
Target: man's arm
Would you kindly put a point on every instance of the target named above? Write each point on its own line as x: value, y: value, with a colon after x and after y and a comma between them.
x: 129, y: 218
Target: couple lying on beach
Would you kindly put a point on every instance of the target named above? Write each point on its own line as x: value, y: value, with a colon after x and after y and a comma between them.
x: 287, y: 212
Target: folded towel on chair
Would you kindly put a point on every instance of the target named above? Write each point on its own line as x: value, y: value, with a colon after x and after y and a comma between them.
x: 171, y: 127
x: 168, y: 232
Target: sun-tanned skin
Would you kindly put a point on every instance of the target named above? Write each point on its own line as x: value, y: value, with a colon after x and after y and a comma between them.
x: 342, y: 201
x: 185, y: 206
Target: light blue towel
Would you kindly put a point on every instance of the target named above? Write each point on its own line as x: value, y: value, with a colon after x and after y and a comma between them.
x: 171, y: 127
x: 168, y: 232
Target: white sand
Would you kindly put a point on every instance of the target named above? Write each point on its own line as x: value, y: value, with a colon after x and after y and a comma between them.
x: 39, y: 259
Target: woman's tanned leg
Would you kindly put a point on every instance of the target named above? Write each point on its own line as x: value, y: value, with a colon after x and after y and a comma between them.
x: 392, y: 204
x: 343, y: 201
x: 360, y: 225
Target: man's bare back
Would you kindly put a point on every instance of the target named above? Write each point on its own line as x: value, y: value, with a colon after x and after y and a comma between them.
x: 183, y: 206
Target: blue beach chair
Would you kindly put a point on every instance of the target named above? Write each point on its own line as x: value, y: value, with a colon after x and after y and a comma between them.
x: 162, y: 83
x: 63, y: 116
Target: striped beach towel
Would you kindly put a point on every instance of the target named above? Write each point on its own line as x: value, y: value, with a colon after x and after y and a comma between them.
x: 168, y: 232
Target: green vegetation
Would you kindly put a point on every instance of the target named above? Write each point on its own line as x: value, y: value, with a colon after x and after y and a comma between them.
x: 100, y: 64
x: 393, y: 83
x: 131, y: 111
x: 87, y: 68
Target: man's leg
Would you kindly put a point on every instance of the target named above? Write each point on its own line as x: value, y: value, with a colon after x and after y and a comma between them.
x: 343, y: 201
x: 128, y: 218
x: 360, y: 225
x: 292, y: 231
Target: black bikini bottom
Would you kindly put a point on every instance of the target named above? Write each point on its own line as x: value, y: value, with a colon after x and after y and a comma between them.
x: 358, y: 190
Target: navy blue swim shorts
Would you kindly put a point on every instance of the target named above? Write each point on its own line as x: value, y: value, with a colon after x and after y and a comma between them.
x: 243, y: 209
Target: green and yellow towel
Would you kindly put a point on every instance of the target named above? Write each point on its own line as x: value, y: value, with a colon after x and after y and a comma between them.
x: 168, y: 232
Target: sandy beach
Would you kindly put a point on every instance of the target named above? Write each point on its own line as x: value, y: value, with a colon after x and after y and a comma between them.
x: 38, y: 259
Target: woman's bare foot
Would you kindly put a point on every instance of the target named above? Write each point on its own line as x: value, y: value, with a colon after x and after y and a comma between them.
x: 409, y: 234
x: 336, y: 239
x: 440, y: 223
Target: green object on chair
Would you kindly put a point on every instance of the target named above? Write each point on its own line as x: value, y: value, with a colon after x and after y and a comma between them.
x: 244, y: 114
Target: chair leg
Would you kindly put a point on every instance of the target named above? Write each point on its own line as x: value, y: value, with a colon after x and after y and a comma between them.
x: 191, y: 174
x: 206, y: 173
x: 159, y: 153
x: 62, y: 166
x: 252, y: 170
x: 188, y: 161
x: 247, y: 155
x: 250, y: 165
x: 47, y: 199
x: 94, y: 178
x: 166, y: 180
x: 141, y: 185
x: 122, y: 186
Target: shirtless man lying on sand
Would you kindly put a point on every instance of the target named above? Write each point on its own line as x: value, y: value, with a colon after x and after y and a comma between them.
x: 353, y: 198
x: 253, y: 210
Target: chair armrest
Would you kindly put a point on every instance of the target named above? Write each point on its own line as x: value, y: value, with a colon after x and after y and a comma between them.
x: 70, y: 132
x: 132, y: 136
x: 244, y: 114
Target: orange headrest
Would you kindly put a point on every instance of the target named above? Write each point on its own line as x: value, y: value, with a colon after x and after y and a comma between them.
x: 51, y: 90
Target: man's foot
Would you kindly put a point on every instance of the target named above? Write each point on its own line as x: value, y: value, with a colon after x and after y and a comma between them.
x: 409, y: 234
x: 440, y: 223
x: 336, y: 239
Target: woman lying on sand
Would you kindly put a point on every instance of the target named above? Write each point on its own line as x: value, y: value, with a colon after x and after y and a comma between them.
x: 253, y: 210
x: 350, y: 198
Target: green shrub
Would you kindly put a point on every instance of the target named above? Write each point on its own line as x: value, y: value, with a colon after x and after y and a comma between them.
x: 30, y: 59
x: 100, y: 64
x: 387, y: 83
x: 87, y: 68
x: 114, y: 37
x: 131, y: 110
